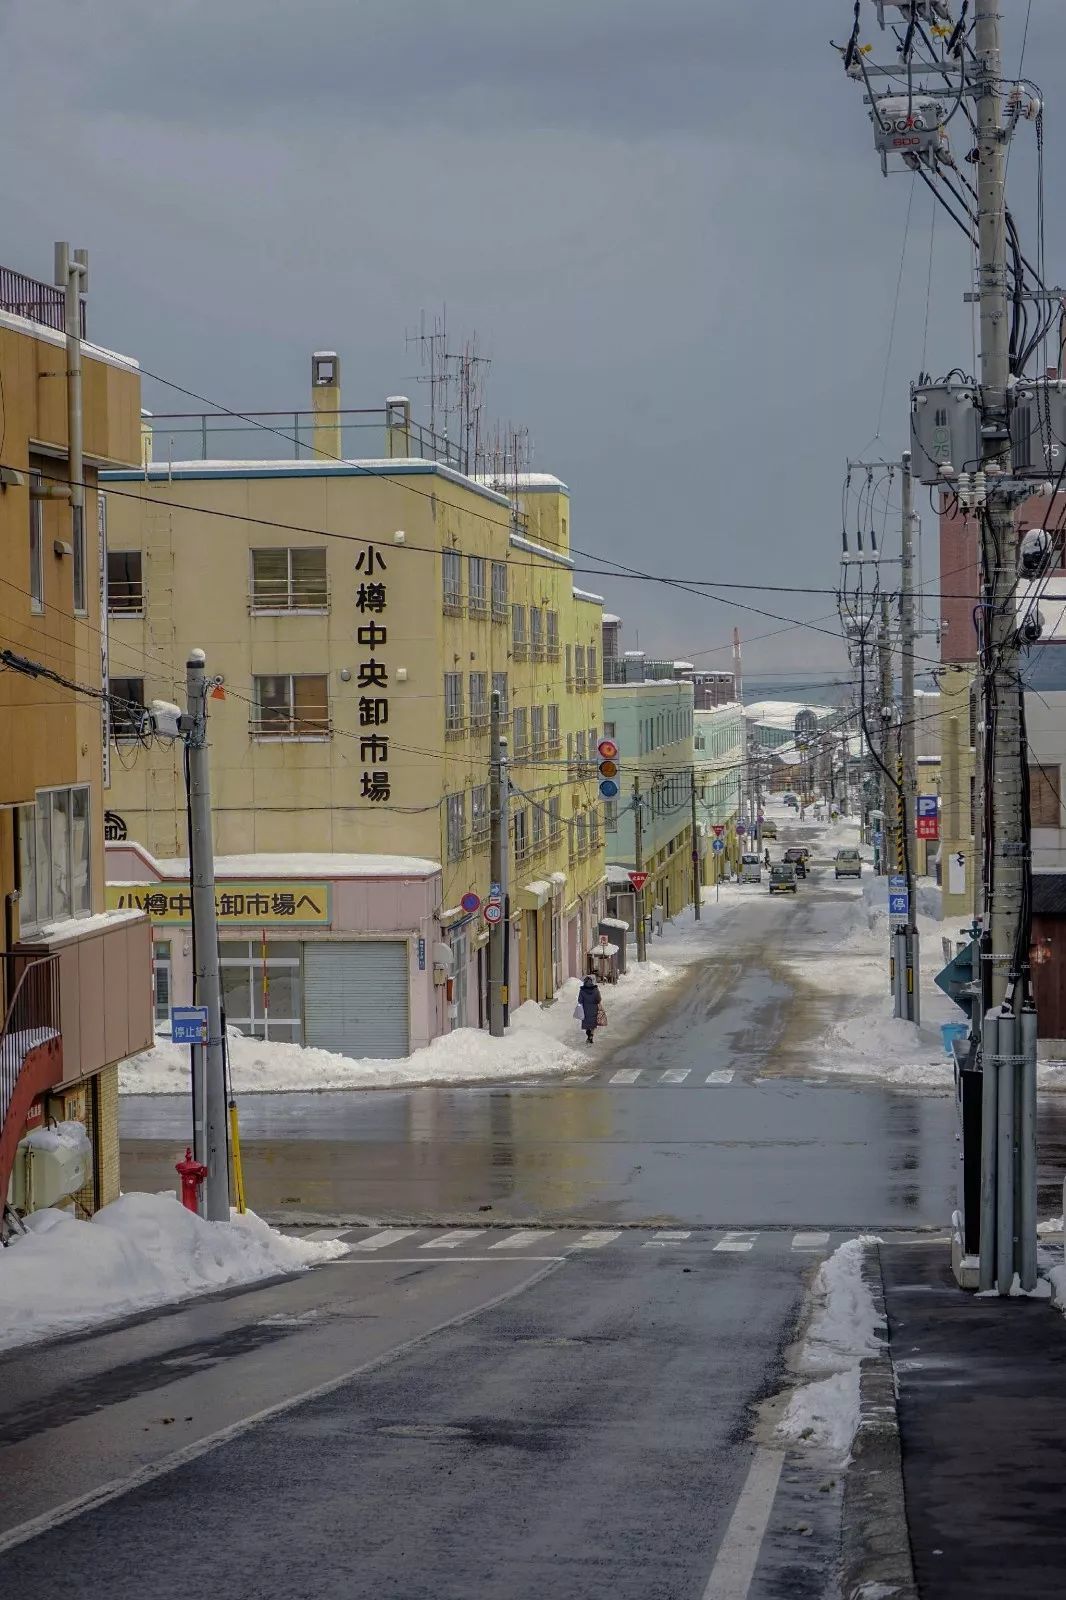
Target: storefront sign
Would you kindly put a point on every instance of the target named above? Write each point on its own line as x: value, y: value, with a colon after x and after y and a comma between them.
x: 927, y: 822
x: 372, y: 677
x: 421, y: 955
x: 267, y: 904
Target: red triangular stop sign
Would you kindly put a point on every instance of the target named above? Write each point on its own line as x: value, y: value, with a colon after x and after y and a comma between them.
x: 719, y: 829
x: 638, y: 879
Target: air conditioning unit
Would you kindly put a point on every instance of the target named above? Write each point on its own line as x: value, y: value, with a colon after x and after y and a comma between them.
x: 51, y: 1164
x: 945, y: 431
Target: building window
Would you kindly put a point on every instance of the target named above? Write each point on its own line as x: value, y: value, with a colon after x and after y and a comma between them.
x: 569, y: 666
x: 569, y: 752
x: 521, y: 733
x: 287, y: 580
x: 456, y: 815
x: 161, y: 980
x: 126, y: 707
x: 580, y: 836
x: 552, y: 622
x: 78, y: 537
x: 536, y: 726
x: 499, y: 686
x: 536, y: 633
x: 538, y: 827
x: 521, y: 834
x: 579, y: 665
x: 555, y: 819
x: 1045, y: 797
x: 594, y: 829
x: 125, y: 590
x: 608, y: 730
x: 590, y: 657
x: 594, y: 740
x: 453, y: 703
x: 499, y: 591
x: 54, y: 857
x: 479, y: 813
x: 36, y: 546
x: 452, y: 573
x: 479, y: 703
x: 262, y: 990
x: 553, y: 730
x: 610, y: 816
x: 518, y: 632
x: 581, y: 750
x: 290, y: 705
x: 479, y: 599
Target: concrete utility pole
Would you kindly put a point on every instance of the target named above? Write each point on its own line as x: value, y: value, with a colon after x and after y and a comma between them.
x: 886, y: 698
x: 499, y: 867
x: 697, y: 886
x: 909, y: 989
x: 209, y: 1072
x: 638, y: 858
x: 72, y: 276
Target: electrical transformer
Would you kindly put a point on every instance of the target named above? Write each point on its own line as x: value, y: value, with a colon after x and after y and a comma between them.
x: 1038, y: 428
x: 909, y: 126
x: 945, y: 430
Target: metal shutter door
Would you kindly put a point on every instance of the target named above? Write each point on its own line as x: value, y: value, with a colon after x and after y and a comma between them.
x: 355, y: 998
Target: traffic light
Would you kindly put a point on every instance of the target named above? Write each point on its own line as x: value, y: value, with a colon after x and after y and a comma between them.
x: 607, y: 751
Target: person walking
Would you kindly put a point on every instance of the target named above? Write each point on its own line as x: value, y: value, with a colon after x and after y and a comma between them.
x: 589, y: 1003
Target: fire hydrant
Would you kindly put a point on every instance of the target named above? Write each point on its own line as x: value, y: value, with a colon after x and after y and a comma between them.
x: 192, y: 1174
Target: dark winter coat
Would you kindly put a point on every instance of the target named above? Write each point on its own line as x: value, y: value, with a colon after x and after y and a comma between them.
x: 589, y: 999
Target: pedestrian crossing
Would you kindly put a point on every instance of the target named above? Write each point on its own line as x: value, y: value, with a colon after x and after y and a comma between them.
x: 670, y: 1075
x: 550, y: 1244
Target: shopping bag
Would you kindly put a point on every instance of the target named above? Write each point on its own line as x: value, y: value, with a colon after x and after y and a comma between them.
x: 578, y: 1012
x: 601, y: 1018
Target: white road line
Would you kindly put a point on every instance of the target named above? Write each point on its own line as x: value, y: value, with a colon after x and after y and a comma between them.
x: 381, y: 1241
x: 810, y: 1241
x: 520, y: 1239
x: 738, y: 1553
x: 67, y: 1510
x: 675, y: 1074
x: 593, y: 1241
x: 670, y: 1237
x: 626, y: 1075
x: 319, y: 1233
x: 737, y: 1241
x: 725, y: 1076
x: 452, y: 1241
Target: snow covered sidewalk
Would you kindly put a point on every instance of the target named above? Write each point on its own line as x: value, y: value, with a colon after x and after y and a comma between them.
x: 142, y: 1251
x: 541, y: 1041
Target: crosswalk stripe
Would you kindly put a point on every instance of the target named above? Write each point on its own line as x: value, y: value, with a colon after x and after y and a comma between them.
x: 520, y: 1239
x: 452, y: 1241
x: 625, y: 1075
x: 675, y: 1074
x: 810, y: 1241
x: 593, y: 1241
x: 674, y: 1236
x: 725, y: 1076
x: 737, y: 1241
x: 381, y: 1241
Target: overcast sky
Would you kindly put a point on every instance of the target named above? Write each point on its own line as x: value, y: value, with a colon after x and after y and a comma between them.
x: 666, y: 223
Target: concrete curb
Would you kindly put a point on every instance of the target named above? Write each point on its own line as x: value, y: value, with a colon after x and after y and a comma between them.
x: 875, y: 1543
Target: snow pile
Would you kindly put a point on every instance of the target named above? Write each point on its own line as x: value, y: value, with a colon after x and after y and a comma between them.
x: 60, y: 1136
x: 141, y: 1251
x: 844, y: 1330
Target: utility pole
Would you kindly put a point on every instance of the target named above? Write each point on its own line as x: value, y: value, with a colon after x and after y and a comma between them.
x: 889, y: 853
x: 697, y: 886
x: 638, y: 856
x: 910, y: 987
x: 72, y: 276
x: 499, y: 865
x: 209, y: 1074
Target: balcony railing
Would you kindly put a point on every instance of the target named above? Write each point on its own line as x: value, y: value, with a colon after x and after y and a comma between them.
x: 125, y: 600
x: 276, y: 725
x: 500, y: 610
x: 452, y: 602
x: 519, y: 649
x: 478, y: 606
x: 270, y: 597
x: 454, y: 728
x: 38, y: 302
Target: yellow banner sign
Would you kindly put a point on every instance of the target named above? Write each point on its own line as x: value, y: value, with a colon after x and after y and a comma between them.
x: 259, y: 905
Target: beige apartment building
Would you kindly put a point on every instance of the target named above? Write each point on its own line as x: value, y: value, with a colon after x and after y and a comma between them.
x: 359, y: 613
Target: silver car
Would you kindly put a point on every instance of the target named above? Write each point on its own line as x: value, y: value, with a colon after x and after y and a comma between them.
x: 848, y: 864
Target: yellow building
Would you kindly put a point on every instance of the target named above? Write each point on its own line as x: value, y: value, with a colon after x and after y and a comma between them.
x: 75, y: 986
x: 360, y: 614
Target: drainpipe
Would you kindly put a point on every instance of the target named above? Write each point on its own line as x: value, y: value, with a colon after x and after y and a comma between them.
x: 72, y: 276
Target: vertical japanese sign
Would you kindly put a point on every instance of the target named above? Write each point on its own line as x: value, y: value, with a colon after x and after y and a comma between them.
x: 372, y: 679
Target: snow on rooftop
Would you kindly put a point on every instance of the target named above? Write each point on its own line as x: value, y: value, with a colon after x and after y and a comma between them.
x: 53, y: 933
x: 306, y: 864
x: 583, y: 594
x: 541, y: 550
x: 609, y: 616
x: 523, y: 480
x: 37, y: 330
x: 783, y: 713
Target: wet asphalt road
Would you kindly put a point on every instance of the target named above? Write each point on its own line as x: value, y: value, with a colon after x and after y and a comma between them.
x: 565, y: 1409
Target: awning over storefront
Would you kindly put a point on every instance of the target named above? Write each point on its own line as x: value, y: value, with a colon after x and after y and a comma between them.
x: 534, y: 895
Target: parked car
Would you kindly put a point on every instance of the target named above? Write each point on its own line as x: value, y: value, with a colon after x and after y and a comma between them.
x: 783, y: 878
x: 750, y: 868
x: 848, y: 864
x: 768, y: 829
x: 791, y: 800
x: 796, y: 856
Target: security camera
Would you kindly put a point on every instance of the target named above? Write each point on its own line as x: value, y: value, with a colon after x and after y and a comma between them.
x: 1034, y: 551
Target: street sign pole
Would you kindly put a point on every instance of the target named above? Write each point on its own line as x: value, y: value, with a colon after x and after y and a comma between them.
x: 697, y: 886
x: 498, y: 863
x: 638, y: 852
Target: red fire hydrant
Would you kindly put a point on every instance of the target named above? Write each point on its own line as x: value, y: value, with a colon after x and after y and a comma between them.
x: 192, y: 1174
